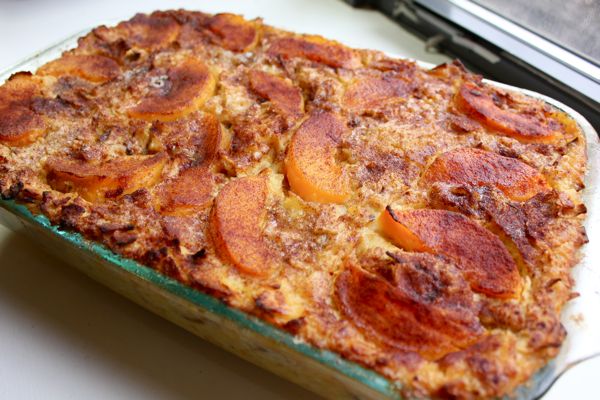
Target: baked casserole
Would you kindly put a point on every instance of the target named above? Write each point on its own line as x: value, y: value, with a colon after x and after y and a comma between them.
x: 422, y: 223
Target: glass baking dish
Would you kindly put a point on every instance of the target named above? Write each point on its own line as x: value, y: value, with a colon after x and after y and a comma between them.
x: 322, y: 371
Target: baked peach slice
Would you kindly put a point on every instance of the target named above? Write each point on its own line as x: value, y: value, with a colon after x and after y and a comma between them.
x: 233, y: 32
x: 236, y: 225
x: 150, y: 32
x: 315, y: 48
x: 108, y: 179
x: 285, y: 97
x: 310, y: 164
x: 93, y: 68
x: 185, y: 194
x: 500, y: 112
x: 423, y: 309
x: 189, y: 85
x: 482, y: 257
x: 214, y: 138
x: 198, y: 138
x: 370, y: 92
x: 474, y: 167
x: 19, y: 125
x: 19, y: 89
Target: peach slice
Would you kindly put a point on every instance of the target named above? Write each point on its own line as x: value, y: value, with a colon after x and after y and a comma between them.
x: 237, y: 215
x: 189, y: 85
x: 19, y: 125
x: 440, y: 320
x: 109, y: 179
x: 484, y: 260
x: 475, y: 167
x: 198, y: 138
x: 234, y: 32
x: 150, y: 32
x: 94, y: 68
x: 310, y: 164
x: 19, y: 89
x: 284, y: 96
x: 496, y: 110
x: 370, y: 92
x: 187, y: 193
x: 315, y: 48
x: 214, y: 139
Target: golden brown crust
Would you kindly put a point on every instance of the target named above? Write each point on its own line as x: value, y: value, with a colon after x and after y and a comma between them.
x: 367, y: 93
x: 476, y: 167
x: 483, y: 259
x: 424, y: 307
x: 233, y: 32
x: 95, y: 68
x: 236, y: 225
x: 311, y: 167
x: 109, y: 179
x: 286, y: 97
x: 501, y: 113
x: 187, y: 193
x: 252, y: 164
x: 314, y: 48
x: 185, y: 88
x: 19, y: 124
x: 143, y: 31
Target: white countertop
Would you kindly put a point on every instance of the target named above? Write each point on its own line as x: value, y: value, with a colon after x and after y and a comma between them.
x: 63, y: 336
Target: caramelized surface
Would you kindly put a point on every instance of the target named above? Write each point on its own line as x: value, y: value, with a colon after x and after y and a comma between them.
x: 233, y: 32
x: 421, y: 223
x: 198, y: 138
x: 94, y: 68
x: 500, y: 112
x: 187, y: 86
x: 187, y: 193
x: 19, y: 124
x: 311, y: 166
x: 423, y: 306
x: 236, y: 223
x: 481, y: 256
x: 315, y: 48
x: 19, y: 89
x: 109, y: 179
x: 474, y: 167
x: 367, y: 93
x: 142, y: 31
x: 284, y: 96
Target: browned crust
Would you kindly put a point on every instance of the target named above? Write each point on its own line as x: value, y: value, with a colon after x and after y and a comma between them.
x: 311, y: 166
x: 236, y: 225
x: 188, y: 86
x: 501, y: 114
x: 109, y: 179
x: 314, y: 48
x: 187, y: 193
x: 482, y: 257
x: 286, y: 97
x: 19, y: 126
x: 425, y: 308
x: 233, y: 32
x: 367, y: 93
x: 475, y: 167
x: 95, y: 68
x: 176, y: 139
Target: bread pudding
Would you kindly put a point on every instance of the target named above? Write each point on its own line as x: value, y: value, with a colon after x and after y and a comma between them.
x: 419, y: 222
